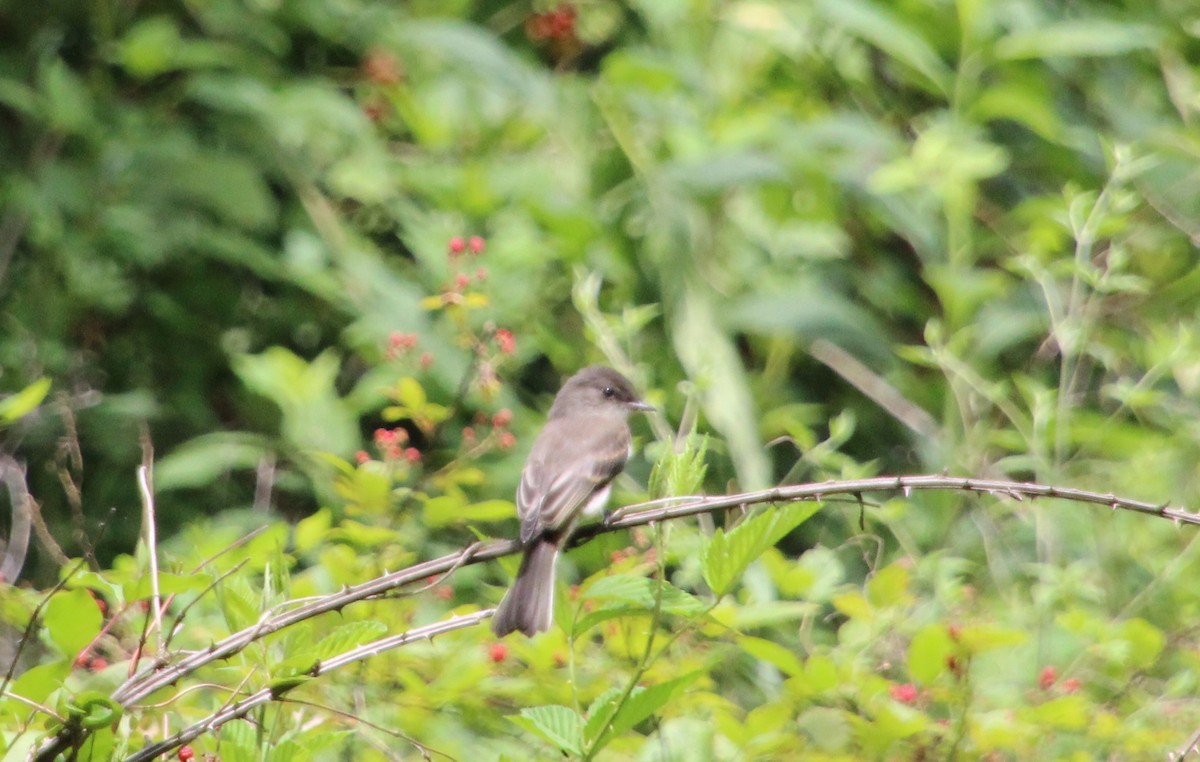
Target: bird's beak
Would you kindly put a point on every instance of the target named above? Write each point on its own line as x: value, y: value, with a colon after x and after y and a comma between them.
x: 644, y: 406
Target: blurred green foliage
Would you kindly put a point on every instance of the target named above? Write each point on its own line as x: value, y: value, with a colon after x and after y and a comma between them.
x: 221, y: 221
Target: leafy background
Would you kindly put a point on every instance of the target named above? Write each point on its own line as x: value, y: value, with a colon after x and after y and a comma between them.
x: 216, y: 218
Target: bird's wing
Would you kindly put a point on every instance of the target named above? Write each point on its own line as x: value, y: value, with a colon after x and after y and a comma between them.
x: 556, y: 485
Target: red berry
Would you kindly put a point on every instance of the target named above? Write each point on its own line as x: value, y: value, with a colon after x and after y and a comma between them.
x: 481, y: 274
x: 499, y: 652
x: 507, y: 441
x: 1070, y: 685
x: 905, y: 693
x: 502, y: 418
x: 186, y: 753
x: 412, y: 455
x: 1047, y: 678
x: 506, y: 341
x: 398, y: 340
x: 361, y: 457
x: 468, y: 435
x: 461, y: 281
x: 426, y: 360
x: 476, y: 244
x: 98, y: 664
x: 457, y: 245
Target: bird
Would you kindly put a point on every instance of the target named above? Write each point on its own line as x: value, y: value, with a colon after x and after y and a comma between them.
x: 568, y: 475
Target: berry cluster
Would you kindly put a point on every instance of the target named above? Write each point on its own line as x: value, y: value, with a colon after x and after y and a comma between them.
x: 557, y: 24
x: 390, y: 444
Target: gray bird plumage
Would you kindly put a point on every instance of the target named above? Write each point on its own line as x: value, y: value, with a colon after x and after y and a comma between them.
x: 582, y: 448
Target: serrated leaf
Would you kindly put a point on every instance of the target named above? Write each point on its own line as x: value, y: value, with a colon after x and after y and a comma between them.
x: 347, y: 636
x: 630, y: 595
x: 680, y: 473
x: 557, y: 725
x: 644, y: 592
x: 23, y: 402
x: 727, y: 555
x: 641, y: 704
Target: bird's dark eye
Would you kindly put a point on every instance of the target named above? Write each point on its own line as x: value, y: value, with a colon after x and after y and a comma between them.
x: 609, y: 392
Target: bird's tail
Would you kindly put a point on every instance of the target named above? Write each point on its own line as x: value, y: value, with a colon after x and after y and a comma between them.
x: 529, y: 604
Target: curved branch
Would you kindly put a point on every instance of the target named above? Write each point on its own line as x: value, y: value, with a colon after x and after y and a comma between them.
x: 271, y: 693
x: 160, y: 674
x: 13, y: 476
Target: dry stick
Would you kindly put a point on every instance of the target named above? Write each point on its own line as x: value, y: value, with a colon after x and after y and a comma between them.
x: 22, y: 523
x: 148, y: 517
x: 874, y: 386
x: 154, y: 679
x: 241, y: 708
x: 160, y: 675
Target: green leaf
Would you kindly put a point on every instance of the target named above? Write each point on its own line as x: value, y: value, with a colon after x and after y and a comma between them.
x: 888, y: 32
x: 311, y: 531
x: 680, y: 473
x: 785, y: 659
x: 641, y: 704
x: 889, y: 586
x: 1078, y: 38
x: 556, y: 724
x: 168, y: 584
x: 37, y: 684
x: 820, y: 673
x: 928, y: 651
x: 23, y: 402
x: 827, y: 729
x: 410, y: 393
x: 1146, y: 642
x: 727, y: 555
x: 1066, y: 712
x: 628, y: 594
x: 349, y: 635
x: 711, y: 359
x: 445, y: 510
x: 986, y: 637
x: 207, y: 458
x: 854, y: 605
x: 72, y: 620
x: 314, y: 417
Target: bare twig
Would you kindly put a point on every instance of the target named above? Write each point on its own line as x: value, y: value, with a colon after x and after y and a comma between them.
x: 17, y: 546
x: 874, y: 386
x: 145, y: 480
x: 280, y: 688
x: 161, y: 675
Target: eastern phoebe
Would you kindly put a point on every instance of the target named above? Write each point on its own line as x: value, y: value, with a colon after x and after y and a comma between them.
x: 569, y: 474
